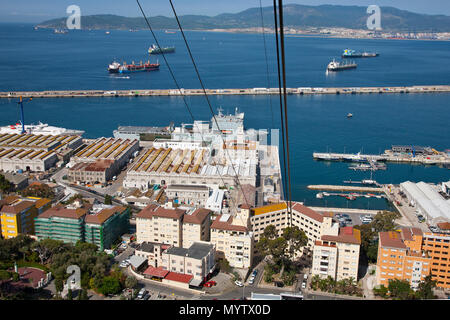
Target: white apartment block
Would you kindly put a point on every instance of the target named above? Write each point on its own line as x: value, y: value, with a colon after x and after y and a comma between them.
x: 198, y: 260
x: 196, y: 226
x: 336, y: 254
x: 232, y: 238
x: 160, y: 224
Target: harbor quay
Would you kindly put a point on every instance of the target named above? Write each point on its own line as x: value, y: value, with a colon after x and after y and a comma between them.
x: 247, y: 91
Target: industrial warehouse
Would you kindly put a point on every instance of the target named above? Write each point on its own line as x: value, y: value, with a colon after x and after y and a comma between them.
x: 101, y: 160
x: 200, y: 154
x: 29, y: 152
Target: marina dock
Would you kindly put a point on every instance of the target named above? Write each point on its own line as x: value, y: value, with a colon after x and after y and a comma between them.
x: 344, y: 188
x: 345, y: 210
x: 248, y: 91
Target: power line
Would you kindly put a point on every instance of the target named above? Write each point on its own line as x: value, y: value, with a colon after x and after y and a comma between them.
x: 285, y: 180
x: 283, y: 64
x: 267, y: 62
x: 206, y: 96
x: 183, y: 96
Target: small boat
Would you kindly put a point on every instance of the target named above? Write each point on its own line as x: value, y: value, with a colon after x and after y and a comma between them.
x: 319, y: 195
x: 350, y: 197
x: 349, y: 115
x: 107, y: 32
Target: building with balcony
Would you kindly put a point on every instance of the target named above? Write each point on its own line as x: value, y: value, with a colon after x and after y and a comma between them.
x: 336, y: 254
x: 17, y: 215
x: 400, y: 256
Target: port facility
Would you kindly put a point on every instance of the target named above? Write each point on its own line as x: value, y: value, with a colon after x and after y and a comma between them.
x: 246, y: 91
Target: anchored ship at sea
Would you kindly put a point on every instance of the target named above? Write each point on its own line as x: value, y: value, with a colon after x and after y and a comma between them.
x: 116, y: 67
x: 39, y: 129
x: 339, y: 66
x: 154, y: 49
x: 350, y: 53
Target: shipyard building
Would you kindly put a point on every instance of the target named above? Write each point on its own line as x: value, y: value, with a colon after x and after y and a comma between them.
x: 38, y: 153
x: 100, y: 160
x: 201, y: 154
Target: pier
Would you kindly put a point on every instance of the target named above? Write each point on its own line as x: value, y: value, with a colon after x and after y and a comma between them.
x: 248, y: 91
x: 345, y: 210
x: 345, y: 188
x: 389, y: 156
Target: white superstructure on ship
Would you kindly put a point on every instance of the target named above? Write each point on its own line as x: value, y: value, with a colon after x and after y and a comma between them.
x: 40, y: 128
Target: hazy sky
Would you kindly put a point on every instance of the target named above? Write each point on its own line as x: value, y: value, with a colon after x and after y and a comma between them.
x: 40, y: 10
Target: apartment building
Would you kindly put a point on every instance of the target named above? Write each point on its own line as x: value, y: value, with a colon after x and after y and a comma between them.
x: 160, y: 224
x: 17, y: 215
x: 152, y: 252
x: 64, y: 224
x: 196, y: 226
x: 105, y: 224
x: 198, y: 260
x: 336, y: 254
x: 437, y: 247
x: 233, y: 238
x: 400, y: 256
x: 314, y: 224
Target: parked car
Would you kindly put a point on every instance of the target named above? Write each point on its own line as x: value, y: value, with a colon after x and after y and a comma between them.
x: 305, y: 276
x: 304, y: 285
x: 255, y: 272
x: 251, y: 281
x: 146, y: 296
x: 238, y: 283
x: 209, y: 284
x: 141, y: 293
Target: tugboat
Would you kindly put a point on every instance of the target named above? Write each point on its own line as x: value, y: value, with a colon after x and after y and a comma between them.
x: 339, y: 66
x: 116, y: 67
x: 154, y: 49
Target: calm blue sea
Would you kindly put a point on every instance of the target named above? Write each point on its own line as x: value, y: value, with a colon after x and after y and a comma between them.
x: 42, y: 60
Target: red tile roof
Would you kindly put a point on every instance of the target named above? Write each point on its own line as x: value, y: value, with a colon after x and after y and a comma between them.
x: 391, y: 239
x: 103, y: 215
x: 307, y: 212
x: 17, y: 208
x: 444, y: 225
x: 197, y: 217
x: 64, y: 213
x: 147, y: 212
x: 346, y: 235
x: 179, y: 277
x: 156, y: 272
x: 227, y: 225
x: 169, y: 213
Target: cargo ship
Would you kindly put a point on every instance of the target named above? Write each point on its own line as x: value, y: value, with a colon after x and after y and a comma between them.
x: 154, y: 49
x: 349, y: 53
x: 339, y: 66
x: 116, y: 67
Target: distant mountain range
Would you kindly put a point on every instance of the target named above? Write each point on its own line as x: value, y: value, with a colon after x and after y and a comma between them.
x: 352, y: 17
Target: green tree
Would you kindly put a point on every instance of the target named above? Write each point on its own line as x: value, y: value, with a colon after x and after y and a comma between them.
x: 69, y: 294
x: 110, y: 285
x: 425, y: 289
x: 59, y: 285
x: 5, y: 275
x: 296, y: 239
x: 5, y: 185
x: 108, y: 199
x: 400, y: 289
x: 130, y: 282
x: 382, y: 291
